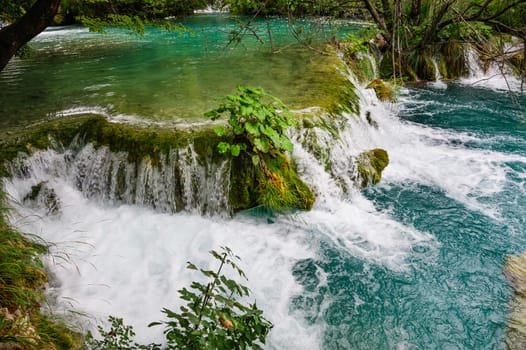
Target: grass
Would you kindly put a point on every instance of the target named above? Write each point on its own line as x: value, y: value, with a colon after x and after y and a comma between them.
x: 22, y: 280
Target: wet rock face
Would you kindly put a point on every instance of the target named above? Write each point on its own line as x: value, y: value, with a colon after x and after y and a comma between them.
x: 42, y: 196
x: 515, y: 273
x: 384, y: 91
x: 370, y: 165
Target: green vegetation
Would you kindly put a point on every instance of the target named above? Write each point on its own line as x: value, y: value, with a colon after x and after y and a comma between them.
x: 212, y: 318
x: 259, y: 127
x: 262, y: 173
x: 383, y: 90
x: 370, y: 165
x: 22, y: 280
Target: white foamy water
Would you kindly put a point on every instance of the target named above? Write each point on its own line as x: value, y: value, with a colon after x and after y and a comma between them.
x: 433, y: 156
x: 494, y: 75
x: 129, y: 261
x: 438, y: 83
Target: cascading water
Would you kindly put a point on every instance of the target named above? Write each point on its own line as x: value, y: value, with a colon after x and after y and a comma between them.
x: 438, y: 83
x: 179, y: 180
x: 495, y: 74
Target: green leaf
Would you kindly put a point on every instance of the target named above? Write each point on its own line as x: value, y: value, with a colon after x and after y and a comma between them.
x: 255, y: 159
x: 220, y: 130
x: 235, y: 150
x: 252, y: 128
x: 190, y: 266
x: 223, y: 147
x: 286, y: 144
x: 261, y: 145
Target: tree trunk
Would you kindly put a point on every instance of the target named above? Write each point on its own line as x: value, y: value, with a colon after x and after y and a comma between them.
x: 16, y: 35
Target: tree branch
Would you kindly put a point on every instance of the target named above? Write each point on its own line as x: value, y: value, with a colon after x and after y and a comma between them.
x: 16, y: 35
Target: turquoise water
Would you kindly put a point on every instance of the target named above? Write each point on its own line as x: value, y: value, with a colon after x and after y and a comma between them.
x: 454, y: 295
x: 168, y: 76
x: 413, y: 263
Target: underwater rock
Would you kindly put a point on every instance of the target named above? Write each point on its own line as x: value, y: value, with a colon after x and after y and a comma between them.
x: 42, y: 196
x: 515, y: 272
x: 370, y: 165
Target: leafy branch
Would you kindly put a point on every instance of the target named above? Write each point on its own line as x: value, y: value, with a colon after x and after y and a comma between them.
x: 258, y: 121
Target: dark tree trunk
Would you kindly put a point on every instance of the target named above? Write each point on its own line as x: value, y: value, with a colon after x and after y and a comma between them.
x: 15, y: 35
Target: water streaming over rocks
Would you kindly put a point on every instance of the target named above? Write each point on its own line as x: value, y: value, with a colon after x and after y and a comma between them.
x: 177, y: 181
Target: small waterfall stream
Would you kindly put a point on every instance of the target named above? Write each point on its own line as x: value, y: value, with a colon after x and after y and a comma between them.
x: 180, y: 180
x: 438, y: 83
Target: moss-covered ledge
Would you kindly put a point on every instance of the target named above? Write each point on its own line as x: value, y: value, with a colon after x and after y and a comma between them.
x: 274, y: 185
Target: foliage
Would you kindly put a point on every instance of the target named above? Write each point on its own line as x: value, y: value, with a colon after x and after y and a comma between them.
x: 213, y: 317
x: 259, y: 122
x: 118, y: 337
x: 21, y: 282
x: 359, y: 42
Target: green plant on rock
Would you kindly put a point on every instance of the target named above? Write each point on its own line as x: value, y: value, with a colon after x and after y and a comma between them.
x: 261, y: 171
x: 213, y: 317
x: 259, y: 122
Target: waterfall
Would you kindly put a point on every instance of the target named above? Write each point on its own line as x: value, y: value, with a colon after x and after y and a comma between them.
x: 177, y: 181
x: 438, y: 83
x: 372, y: 60
x: 493, y: 74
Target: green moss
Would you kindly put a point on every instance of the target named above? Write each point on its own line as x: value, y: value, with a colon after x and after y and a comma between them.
x: 338, y: 94
x: 22, y: 279
x: 273, y: 184
x: 383, y: 90
x: 370, y: 165
x: 138, y: 141
x: 453, y: 60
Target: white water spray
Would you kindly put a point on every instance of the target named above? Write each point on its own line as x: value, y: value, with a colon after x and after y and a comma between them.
x: 496, y: 75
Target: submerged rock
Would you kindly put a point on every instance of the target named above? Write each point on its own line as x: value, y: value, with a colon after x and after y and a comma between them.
x: 370, y: 165
x: 515, y: 272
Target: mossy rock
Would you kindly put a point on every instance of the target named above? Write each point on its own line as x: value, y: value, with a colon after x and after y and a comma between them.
x: 370, y: 165
x: 273, y: 184
x: 276, y: 185
x: 453, y: 62
x: 515, y: 272
x: 136, y: 140
x: 383, y: 90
